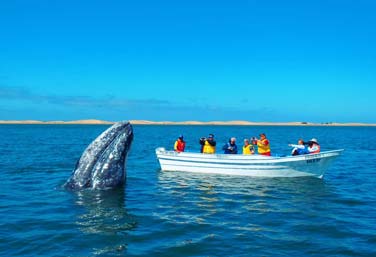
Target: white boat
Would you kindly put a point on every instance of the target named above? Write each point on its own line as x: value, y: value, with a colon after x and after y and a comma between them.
x: 247, y: 165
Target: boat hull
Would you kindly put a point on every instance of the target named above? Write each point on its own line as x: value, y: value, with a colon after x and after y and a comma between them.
x: 247, y: 165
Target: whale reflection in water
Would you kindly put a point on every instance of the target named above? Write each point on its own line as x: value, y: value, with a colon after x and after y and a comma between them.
x: 103, y: 213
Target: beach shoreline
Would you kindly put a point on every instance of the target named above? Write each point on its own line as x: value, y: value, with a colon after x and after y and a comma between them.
x: 198, y: 123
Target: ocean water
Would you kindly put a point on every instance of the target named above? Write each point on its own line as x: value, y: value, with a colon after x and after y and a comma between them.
x: 181, y: 214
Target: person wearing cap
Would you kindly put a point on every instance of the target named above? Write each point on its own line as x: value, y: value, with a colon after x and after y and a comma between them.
x: 208, y: 144
x: 179, y: 145
x: 313, y: 146
x: 230, y: 147
x: 247, y: 147
x: 263, y: 145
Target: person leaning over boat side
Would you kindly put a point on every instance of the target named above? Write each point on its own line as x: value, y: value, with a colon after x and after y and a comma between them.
x: 230, y: 147
x: 313, y: 146
x: 179, y: 145
x: 263, y: 145
x: 248, y: 148
x: 299, y: 149
x: 208, y: 144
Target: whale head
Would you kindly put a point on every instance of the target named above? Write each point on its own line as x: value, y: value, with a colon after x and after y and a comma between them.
x: 102, y: 164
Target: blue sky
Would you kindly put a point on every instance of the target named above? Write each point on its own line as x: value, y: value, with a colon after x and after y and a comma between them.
x: 273, y: 61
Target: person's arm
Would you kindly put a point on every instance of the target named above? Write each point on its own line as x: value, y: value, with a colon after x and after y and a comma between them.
x: 176, y: 145
x: 235, y: 150
x: 297, y: 146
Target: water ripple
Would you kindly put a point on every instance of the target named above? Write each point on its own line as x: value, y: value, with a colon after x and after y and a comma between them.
x: 181, y: 214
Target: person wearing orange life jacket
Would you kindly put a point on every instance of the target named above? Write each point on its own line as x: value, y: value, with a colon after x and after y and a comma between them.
x: 313, y: 146
x: 179, y: 145
x: 263, y: 145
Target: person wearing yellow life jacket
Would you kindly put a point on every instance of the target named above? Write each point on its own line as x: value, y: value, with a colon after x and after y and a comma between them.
x: 313, y: 146
x: 179, y: 145
x: 208, y: 144
x: 263, y: 145
x: 247, y: 147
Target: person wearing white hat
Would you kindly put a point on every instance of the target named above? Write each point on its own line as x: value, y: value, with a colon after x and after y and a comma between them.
x: 313, y: 146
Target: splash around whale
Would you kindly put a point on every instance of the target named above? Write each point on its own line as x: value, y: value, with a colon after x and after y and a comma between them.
x: 102, y: 164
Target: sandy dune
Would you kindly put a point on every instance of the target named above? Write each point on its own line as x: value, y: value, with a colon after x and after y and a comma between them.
x: 147, y: 122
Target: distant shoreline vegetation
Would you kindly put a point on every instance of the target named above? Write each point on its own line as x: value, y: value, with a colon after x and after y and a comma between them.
x: 221, y: 123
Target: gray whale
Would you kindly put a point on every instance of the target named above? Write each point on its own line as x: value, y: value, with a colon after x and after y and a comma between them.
x: 102, y: 164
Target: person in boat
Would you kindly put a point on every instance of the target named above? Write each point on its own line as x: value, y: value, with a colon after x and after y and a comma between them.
x: 300, y: 148
x: 179, y: 145
x: 231, y: 147
x: 248, y: 148
x: 263, y: 145
x: 208, y: 144
x: 313, y: 146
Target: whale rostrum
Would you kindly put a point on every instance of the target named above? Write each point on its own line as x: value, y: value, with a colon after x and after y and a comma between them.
x: 102, y: 164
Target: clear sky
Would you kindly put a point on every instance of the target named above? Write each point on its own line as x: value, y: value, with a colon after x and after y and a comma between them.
x: 253, y: 60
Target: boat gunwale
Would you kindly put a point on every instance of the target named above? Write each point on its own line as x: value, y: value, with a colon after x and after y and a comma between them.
x: 240, y: 158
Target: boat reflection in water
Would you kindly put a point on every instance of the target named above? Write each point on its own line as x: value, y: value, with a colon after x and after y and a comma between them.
x: 241, y: 203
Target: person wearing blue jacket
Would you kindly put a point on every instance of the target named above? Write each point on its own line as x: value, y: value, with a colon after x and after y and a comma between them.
x: 231, y: 147
x: 300, y: 148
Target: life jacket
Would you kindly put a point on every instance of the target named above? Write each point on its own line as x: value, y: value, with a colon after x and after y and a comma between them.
x: 247, y: 149
x: 263, y: 147
x: 314, y: 149
x: 208, y: 148
x: 179, y: 146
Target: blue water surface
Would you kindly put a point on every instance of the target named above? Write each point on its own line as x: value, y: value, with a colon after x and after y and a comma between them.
x: 181, y: 214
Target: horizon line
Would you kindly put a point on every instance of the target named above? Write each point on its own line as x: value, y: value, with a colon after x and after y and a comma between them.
x: 148, y: 122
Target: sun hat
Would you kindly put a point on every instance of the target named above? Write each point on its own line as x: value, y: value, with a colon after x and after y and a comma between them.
x: 314, y: 140
x: 181, y: 137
